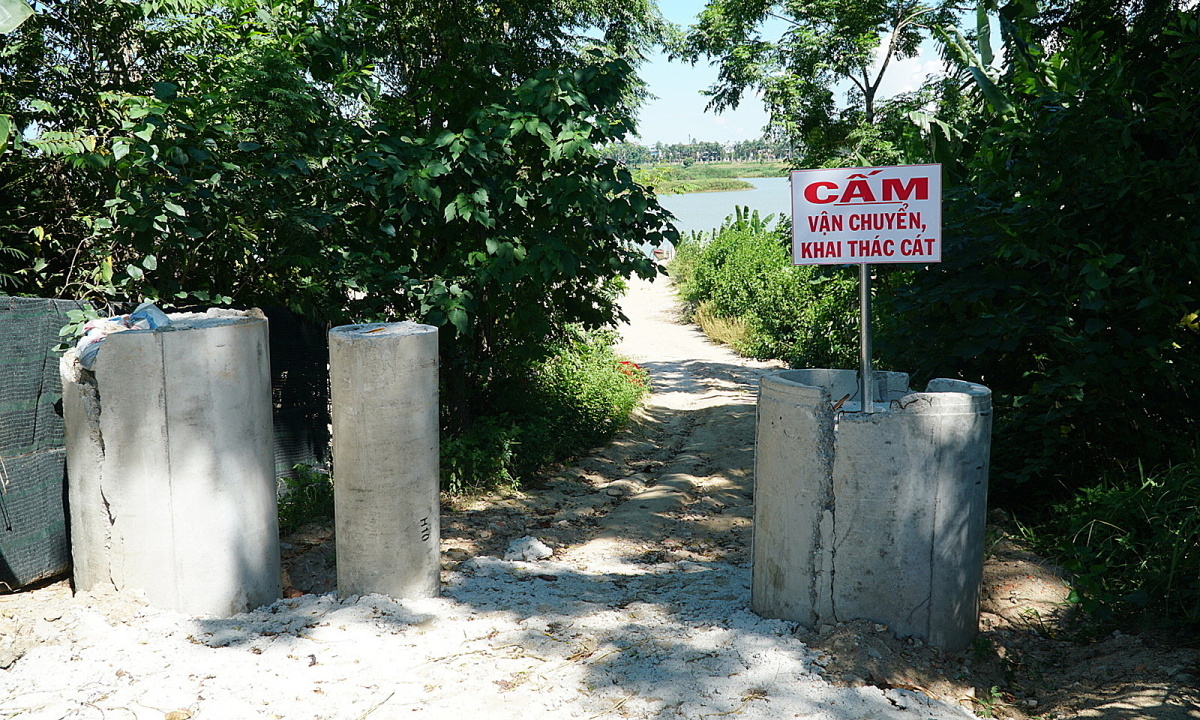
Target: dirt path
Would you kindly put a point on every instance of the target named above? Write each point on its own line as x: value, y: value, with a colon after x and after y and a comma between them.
x: 631, y: 604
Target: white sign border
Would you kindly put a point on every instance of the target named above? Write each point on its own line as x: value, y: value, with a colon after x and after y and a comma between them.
x: 930, y: 210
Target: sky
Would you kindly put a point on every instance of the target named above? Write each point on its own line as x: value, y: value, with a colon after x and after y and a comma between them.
x: 678, y: 115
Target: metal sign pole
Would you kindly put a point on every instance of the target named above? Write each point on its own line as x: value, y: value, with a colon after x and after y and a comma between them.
x: 864, y: 216
x: 865, y: 375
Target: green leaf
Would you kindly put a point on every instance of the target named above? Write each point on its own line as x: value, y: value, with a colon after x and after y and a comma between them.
x: 995, y: 97
x: 459, y: 319
x: 1095, y: 279
x: 983, y: 30
x: 150, y: 262
x: 177, y: 209
x: 165, y: 90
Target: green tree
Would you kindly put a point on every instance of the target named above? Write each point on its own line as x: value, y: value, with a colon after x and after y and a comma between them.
x: 1072, y: 252
x: 165, y: 159
x: 823, y: 43
x: 355, y: 161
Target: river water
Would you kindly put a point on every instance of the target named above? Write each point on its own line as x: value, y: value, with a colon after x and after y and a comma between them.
x: 705, y: 211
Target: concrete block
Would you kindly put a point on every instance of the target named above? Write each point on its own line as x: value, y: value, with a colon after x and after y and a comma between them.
x: 171, y: 477
x: 876, y: 516
x: 384, y: 392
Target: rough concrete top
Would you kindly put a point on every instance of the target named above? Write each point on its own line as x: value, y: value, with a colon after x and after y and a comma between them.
x: 381, y: 330
x: 816, y: 387
x: 817, y: 383
x: 214, y: 317
x: 200, y: 323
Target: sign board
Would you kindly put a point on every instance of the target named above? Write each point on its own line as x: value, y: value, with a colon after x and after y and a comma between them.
x: 873, y: 215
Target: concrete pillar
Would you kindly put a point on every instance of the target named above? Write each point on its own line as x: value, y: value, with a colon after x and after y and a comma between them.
x: 876, y: 516
x: 171, y: 478
x: 384, y: 392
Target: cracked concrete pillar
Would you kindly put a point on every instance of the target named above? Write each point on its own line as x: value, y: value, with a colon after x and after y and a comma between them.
x: 384, y: 391
x: 171, y: 475
x: 876, y: 516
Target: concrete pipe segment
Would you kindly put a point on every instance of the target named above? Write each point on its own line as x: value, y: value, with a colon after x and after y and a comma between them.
x: 877, y: 516
x: 171, y: 475
x: 384, y: 392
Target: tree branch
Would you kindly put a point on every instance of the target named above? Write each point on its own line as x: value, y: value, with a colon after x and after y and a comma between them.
x: 887, y: 59
x: 787, y: 20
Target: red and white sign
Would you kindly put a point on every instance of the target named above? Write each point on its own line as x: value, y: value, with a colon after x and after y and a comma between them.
x: 874, y: 215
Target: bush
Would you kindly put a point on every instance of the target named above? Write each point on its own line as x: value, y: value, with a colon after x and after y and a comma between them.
x: 1070, y: 267
x: 808, y: 317
x: 555, y: 409
x: 688, y: 252
x: 482, y: 457
x: 1133, y: 544
x: 805, y: 315
x: 733, y: 271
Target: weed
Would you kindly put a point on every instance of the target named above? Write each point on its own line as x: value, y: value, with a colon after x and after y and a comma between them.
x: 306, y: 498
x: 729, y: 331
x: 988, y: 705
x: 1132, y: 544
x: 981, y: 649
x: 548, y: 412
x: 742, y: 274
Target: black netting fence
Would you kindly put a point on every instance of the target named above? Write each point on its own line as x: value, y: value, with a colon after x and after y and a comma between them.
x: 299, y: 390
x: 34, y: 542
x: 33, y: 523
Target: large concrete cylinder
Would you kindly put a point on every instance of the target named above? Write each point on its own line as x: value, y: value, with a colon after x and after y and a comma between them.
x: 384, y: 392
x: 877, y: 516
x: 171, y: 477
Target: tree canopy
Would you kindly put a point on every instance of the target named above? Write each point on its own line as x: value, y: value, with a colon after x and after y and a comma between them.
x: 355, y: 160
x: 797, y: 70
x: 1069, y: 280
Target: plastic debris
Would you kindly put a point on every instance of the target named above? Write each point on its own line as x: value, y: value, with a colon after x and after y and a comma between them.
x: 146, y: 316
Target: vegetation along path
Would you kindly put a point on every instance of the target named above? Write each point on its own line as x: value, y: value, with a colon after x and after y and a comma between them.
x: 615, y: 588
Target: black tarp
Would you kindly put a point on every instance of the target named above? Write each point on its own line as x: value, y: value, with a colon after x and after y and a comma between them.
x: 33, y: 522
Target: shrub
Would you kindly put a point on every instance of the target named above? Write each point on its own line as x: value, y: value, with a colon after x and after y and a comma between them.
x: 805, y: 315
x: 688, y: 251
x: 550, y: 411
x: 482, y: 457
x: 1070, y: 265
x: 1133, y: 543
x: 733, y: 271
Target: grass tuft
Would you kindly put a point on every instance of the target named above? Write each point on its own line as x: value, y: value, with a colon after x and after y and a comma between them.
x: 725, y: 330
x: 1132, y: 545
